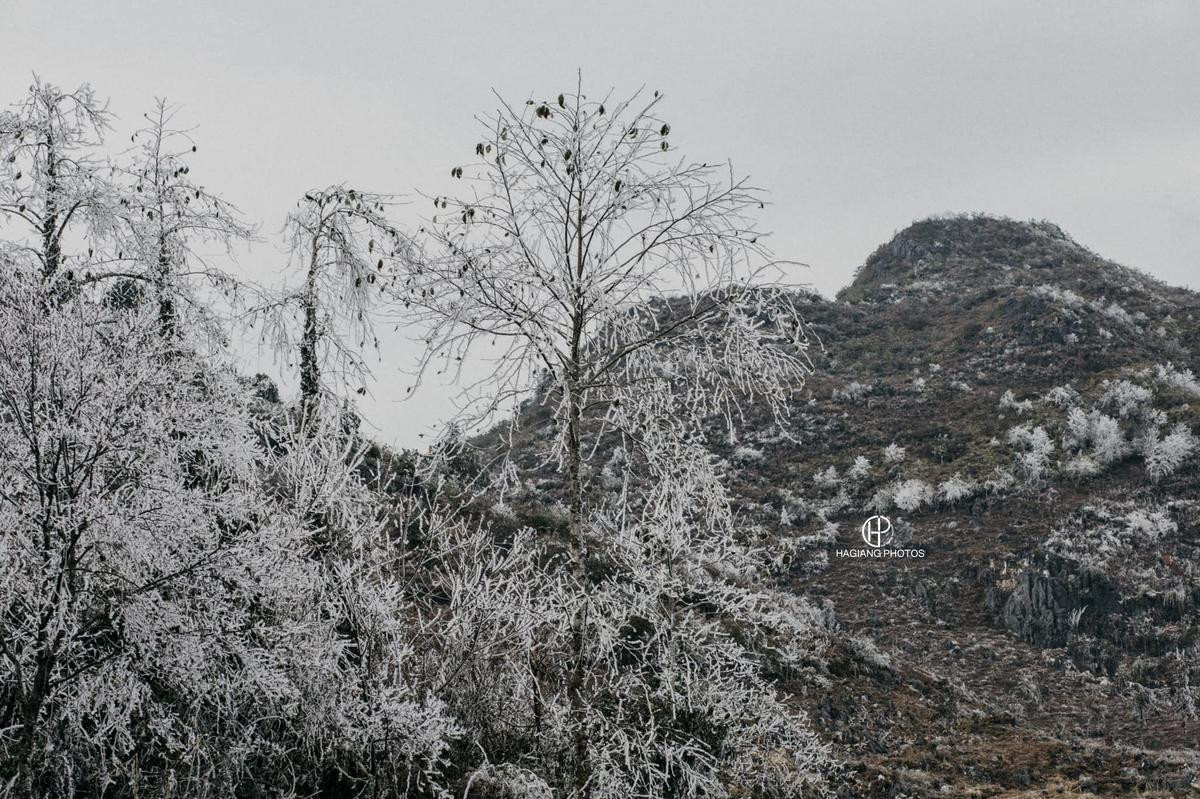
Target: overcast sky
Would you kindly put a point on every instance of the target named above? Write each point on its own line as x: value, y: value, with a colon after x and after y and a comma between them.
x: 858, y: 117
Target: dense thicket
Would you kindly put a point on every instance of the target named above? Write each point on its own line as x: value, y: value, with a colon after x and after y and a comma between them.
x: 206, y: 591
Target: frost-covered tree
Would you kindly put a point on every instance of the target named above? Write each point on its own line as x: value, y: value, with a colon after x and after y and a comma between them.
x: 167, y: 216
x: 1165, y: 455
x: 53, y: 186
x: 1035, y: 448
x: 185, y: 609
x: 621, y: 285
x: 557, y: 264
x: 342, y: 244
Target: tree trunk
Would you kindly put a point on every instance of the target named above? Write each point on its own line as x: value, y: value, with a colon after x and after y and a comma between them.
x: 166, y: 303
x: 310, y: 375
x: 51, y: 246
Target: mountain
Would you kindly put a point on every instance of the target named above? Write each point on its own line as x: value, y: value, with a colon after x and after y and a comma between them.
x: 1027, y: 413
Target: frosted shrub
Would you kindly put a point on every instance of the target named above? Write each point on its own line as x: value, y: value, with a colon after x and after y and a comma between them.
x: 1164, y: 456
x: 882, y: 500
x: 1034, y: 460
x: 828, y: 478
x: 1118, y: 314
x: 1182, y: 379
x: 851, y: 392
x: 859, y: 469
x: 1001, y: 480
x: 909, y: 495
x: 1060, y: 296
x: 1126, y: 398
x: 747, y: 455
x: 195, y: 582
x: 1082, y: 466
x: 956, y: 488
x: 1062, y: 396
x: 1009, y: 400
x: 1101, y: 536
x: 893, y: 453
x: 672, y: 703
x: 1097, y: 432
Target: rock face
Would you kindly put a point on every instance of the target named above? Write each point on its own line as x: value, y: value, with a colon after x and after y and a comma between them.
x: 1053, y: 627
x: 1039, y: 609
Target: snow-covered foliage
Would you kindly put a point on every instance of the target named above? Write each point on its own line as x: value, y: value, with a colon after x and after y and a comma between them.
x: 909, y: 495
x: 956, y: 488
x: 1182, y: 379
x: 851, y: 392
x: 1061, y: 296
x: 1163, y: 456
x: 634, y: 662
x: 859, y: 469
x: 1103, y: 535
x: 744, y: 455
x: 1009, y: 400
x: 893, y: 453
x: 1124, y: 397
x: 828, y: 478
x: 1093, y: 440
x: 1062, y: 396
x: 1035, y: 450
x: 167, y: 582
x: 1097, y: 434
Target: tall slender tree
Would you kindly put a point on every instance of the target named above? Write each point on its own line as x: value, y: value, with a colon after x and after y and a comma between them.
x: 167, y: 215
x: 578, y: 226
x: 52, y: 183
x: 628, y: 289
x: 343, y: 245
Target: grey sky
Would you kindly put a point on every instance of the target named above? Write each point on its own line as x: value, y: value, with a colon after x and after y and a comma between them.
x: 858, y: 117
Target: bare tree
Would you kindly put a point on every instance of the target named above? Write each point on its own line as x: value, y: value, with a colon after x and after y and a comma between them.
x: 343, y: 244
x: 167, y: 215
x: 51, y: 182
x: 578, y: 225
x: 624, y: 286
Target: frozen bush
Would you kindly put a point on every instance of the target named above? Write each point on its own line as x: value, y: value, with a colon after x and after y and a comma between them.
x: 1082, y: 466
x: 1164, y: 456
x: 1118, y: 314
x: 881, y: 500
x: 1100, y: 536
x: 1034, y: 460
x: 1124, y: 397
x: 868, y: 651
x: 851, y: 392
x: 1098, y: 432
x: 1062, y: 396
x: 1060, y: 296
x: 1184, y: 379
x: 956, y: 488
x: 1009, y: 400
x: 1000, y: 480
x: 827, y: 478
x: 746, y: 454
x: 893, y: 453
x: 909, y: 495
x: 859, y: 469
